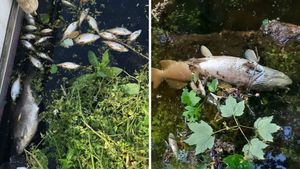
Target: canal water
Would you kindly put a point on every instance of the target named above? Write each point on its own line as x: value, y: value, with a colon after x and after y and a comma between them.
x: 226, y: 27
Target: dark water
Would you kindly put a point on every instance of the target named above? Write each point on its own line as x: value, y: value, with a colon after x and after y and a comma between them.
x: 178, y: 36
x: 131, y: 14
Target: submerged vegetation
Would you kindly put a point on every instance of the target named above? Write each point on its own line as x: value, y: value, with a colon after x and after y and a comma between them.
x: 100, y: 121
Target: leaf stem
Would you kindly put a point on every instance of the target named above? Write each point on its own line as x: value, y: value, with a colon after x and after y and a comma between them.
x: 238, y: 125
x: 227, y: 128
x: 247, y: 127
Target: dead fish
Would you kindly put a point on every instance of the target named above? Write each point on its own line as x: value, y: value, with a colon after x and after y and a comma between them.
x: 93, y: 23
x: 71, y: 28
x: 28, y: 37
x: 108, y: 36
x: 116, y: 46
x: 15, y: 88
x: 42, y: 39
x: 119, y: 31
x: 173, y: 144
x: 30, y: 28
x: 46, y: 31
x: 44, y: 56
x: 25, y: 119
x: 30, y: 19
x: 176, y: 74
x: 73, y: 35
x: 134, y: 35
x: 86, y: 38
x: 68, y: 4
x: 36, y: 63
x: 27, y: 45
x: 240, y: 71
x: 68, y: 65
x: 83, y: 16
x: 28, y: 6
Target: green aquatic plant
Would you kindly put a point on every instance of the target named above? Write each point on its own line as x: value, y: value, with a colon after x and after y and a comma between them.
x: 100, y: 121
x: 237, y: 161
x: 203, y: 135
x: 213, y: 85
x: 192, y: 105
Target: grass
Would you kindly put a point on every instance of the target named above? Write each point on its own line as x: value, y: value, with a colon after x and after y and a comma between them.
x: 96, y: 123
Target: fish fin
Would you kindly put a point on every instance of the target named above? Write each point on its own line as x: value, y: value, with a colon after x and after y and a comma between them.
x: 176, y: 84
x: 166, y: 63
x: 205, y: 51
x: 157, y: 77
x: 250, y: 55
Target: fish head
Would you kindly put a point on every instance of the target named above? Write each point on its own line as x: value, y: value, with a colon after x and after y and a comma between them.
x: 271, y: 79
x: 21, y: 144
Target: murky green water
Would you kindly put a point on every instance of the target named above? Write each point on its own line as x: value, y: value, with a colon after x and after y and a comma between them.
x: 185, y: 26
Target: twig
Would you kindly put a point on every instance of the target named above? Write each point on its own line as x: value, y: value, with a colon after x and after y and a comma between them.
x: 238, y: 125
x: 131, y: 48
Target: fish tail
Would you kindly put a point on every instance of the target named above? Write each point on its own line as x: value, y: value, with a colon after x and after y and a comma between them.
x: 157, y: 77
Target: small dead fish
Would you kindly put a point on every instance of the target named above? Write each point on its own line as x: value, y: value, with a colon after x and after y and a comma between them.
x: 73, y: 35
x: 68, y: 65
x: 68, y: 4
x: 116, y: 46
x: 27, y: 45
x: 28, y: 36
x: 42, y: 39
x: 83, y: 16
x: 71, y: 28
x: 108, y: 36
x: 30, y: 19
x: 134, y: 35
x: 44, y: 56
x: 30, y: 28
x: 119, y: 31
x: 93, y: 23
x: 46, y: 31
x: 86, y: 38
x: 36, y: 63
x: 173, y: 144
x: 25, y: 118
x: 15, y: 88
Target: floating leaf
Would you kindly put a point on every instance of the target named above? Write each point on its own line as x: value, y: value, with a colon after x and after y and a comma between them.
x: 254, y: 149
x: 93, y: 58
x: 237, y: 161
x: 192, y: 114
x: 213, y: 85
x: 67, y: 43
x: 45, y: 18
x: 105, y: 58
x: 189, y: 98
x: 115, y: 71
x: 202, y: 137
x: 53, y: 69
x: 232, y: 108
x: 131, y: 88
x: 265, y: 128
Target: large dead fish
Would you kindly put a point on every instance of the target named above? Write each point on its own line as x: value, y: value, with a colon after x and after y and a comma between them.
x: 239, y: 71
x: 25, y: 118
x: 234, y: 70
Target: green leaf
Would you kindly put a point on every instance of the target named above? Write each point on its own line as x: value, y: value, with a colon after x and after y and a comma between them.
x: 45, y: 18
x: 254, y: 149
x: 53, y: 69
x: 232, y: 108
x: 105, y: 58
x: 202, y: 137
x: 213, y: 85
x: 189, y: 98
x: 115, y: 71
x: 131, y: 88
x: 265, y: 128
x: 93, y: 58
x: 67, y: 43
x: 191, y: 113
x: 237, y: 161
